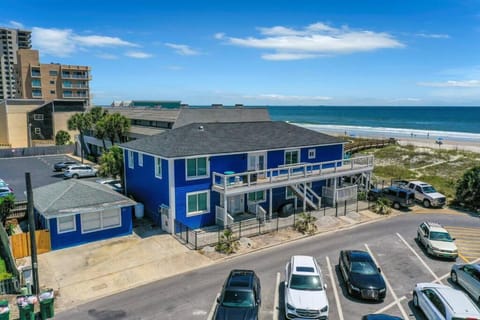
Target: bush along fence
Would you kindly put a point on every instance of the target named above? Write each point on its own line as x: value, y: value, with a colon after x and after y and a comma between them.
x: 210, y: 236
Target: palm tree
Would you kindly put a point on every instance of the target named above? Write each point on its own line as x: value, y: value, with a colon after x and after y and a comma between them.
x: 306, y: 224
x: 382, y: 206
x: 101, y: 131
x: 468, y: 189
x: 97, y: 114
x: 117, y: 126
x: 111, y: 163
x: 81, y: 122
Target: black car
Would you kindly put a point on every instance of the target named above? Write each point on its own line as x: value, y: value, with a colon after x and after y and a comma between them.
x: 399, y: 197
x: 362, y: 277
x: 240, y: 297
x: 380, y: 317
x: 59, y: 166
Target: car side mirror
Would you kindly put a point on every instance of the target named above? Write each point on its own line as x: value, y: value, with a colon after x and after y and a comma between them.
x: 380, y: 271
x: 218, y: 299
x: 325, y: 286
x: 453, y: 239
x: 259, y: 301
x: 286, y: 283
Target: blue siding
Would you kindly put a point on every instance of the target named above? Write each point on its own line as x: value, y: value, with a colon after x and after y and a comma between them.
x: 145, y: 187
x: 74, y: 238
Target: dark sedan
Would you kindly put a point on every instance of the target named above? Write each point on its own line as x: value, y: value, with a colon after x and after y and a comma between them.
x: 362, y: 277
x: 240, y: 297
x: 59, y: 166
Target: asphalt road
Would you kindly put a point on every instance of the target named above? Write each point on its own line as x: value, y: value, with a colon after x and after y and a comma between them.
x: 192, y: 295
x: 12, y: 171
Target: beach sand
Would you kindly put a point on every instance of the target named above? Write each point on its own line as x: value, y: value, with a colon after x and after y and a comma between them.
x: 446, y: 144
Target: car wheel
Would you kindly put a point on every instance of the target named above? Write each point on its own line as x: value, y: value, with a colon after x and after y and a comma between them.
x: 426, y: 203
x: 349, y: 289
x: 415, y: 300
x: 396, y: 205
x: 454, y: 277
x: 75, y: 176
x: 429, y: 250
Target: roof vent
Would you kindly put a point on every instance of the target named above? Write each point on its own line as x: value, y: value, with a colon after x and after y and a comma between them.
x: 200, y: 128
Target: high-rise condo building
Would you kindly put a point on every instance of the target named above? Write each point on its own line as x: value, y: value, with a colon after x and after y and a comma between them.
x: 10, y: 41
x: 37, y: 80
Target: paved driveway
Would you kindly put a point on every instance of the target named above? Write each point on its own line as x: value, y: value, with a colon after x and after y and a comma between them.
x: 12, y: 170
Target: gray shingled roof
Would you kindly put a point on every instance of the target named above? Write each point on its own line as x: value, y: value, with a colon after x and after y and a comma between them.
x: 220, y: 138
x: 76, y: 196
x: 236, y: 114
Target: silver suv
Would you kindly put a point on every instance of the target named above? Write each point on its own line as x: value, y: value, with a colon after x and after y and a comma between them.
x: 440, y: 302
x: 436, y: 240
x: 78, y: 171
x: 426, y: 194
x: 468, y: 276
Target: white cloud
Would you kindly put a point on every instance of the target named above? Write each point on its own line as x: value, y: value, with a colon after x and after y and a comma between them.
x: 16, y: 24
x: 182, y: 49
x: 138, y: 55
x: 452, y: 84
x: 107, y: 56
x: 406, y: 100
x: 219, y: 35
x: 433, y: 35
x: 315, y: 40
x: 64, y: 42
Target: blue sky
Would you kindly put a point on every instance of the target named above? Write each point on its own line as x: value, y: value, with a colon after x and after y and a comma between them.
x: 264, y: 52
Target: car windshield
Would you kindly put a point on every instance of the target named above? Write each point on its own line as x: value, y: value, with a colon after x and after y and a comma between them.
x: 238, y: 299
x: 302, y: 282
x: 364, y: 267
x: 440, y: 236
x: 429, y: 189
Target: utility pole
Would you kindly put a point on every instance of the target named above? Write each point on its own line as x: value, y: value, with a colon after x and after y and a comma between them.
x: 31, y: 229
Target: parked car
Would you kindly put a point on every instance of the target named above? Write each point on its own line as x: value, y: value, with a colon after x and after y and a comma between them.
x: 468, y: 276
x: 361, y: 275
x: 77, y: 171
x: 114, y: 184
x: 5, y: 189
x: 240, y: 297
x: 380, y: 317
x: 399, y: 197
x: 426, y: 194
x: 436, y: 240
x: 62, y: 165
x: 305, y: 296
x: 442, y: 302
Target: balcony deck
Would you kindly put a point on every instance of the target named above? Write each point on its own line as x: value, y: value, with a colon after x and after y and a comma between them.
x: 244, y: 182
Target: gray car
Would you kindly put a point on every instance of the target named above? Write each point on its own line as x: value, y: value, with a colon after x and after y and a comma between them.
x: 79, y: 171
x: 468, y: 277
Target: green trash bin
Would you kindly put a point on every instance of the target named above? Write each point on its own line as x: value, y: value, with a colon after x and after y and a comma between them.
x: 4, y: 310
x: 27, y: 311
x: 46, y: 309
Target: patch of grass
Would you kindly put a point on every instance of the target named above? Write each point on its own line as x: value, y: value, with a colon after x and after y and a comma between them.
x: 393, y: 171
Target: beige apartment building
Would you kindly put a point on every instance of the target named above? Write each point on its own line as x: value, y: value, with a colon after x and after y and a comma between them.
x: 35, y: 122
x: 37, y: 80
x: 11, y: 40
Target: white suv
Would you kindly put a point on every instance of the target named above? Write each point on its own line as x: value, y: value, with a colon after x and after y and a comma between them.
x: 436, y: 240
x: 78, y: 171
x: 305, y: 296
x: 426, y: 194
x: 440, y: 302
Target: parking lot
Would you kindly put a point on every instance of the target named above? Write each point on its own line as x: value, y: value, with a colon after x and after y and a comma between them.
x: 403, y: 263
x: 12, y: 171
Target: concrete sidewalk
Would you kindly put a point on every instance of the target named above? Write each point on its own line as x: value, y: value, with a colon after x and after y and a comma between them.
x: 88, y: 272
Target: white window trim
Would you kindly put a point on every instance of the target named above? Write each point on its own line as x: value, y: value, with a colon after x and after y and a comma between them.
x: 37, y: 131
x: 312, y: 153
x: 74, y: 225
x: 140, y: 159
x: 131, y: 165
x: 156, y: 167
x: 207, y: 175
x: 285, y: 157
x: 101, y: 222
x: 197, y: 213
x: 257, y: 201
x: 38, y: 116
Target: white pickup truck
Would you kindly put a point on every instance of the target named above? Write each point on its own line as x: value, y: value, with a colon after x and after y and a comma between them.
x: 426, y: 194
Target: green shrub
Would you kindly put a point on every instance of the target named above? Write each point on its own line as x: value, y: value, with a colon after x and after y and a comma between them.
x: 306, y: 223
x: 227, y: 243
x: 382, y: 206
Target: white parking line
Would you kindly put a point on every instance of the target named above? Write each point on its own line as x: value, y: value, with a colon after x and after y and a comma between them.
x: 396, y: 300
x: 275, y: 298
x: 437, y: 279
x: 212, y: 309
x: 390, y: 305
x: 335, y: 293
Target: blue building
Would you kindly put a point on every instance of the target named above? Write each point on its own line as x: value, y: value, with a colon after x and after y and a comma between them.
x: 203, y: 174
x: 77, y: 212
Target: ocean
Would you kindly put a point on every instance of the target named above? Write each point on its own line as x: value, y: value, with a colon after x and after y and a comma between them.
x: 453, y: 123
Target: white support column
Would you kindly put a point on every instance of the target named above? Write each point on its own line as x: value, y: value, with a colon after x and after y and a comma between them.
x: 225, y: 212
x: 304, y: 197
x: 334, y: 191
x: 270, y: 204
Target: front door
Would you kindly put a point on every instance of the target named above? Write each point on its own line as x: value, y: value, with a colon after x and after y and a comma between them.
x: 236, y: 204
x: 256, y: 161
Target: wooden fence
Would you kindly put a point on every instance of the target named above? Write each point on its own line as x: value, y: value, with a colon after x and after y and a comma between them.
x: 21, y: 243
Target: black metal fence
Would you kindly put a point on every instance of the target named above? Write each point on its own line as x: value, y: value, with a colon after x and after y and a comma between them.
x: 36, y: 151
x: 210, y: 236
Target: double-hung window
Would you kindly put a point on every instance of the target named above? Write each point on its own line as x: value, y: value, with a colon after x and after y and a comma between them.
x: 101, y: 220
x: 292, y: 156
x: 198, y: 203
x: 140, y: 159
x: 66, y: 224
x: 158, y: 168
x: 130, y: 160
x: 256, y: 197
x: 197, y: 168
x: 312, y: 153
